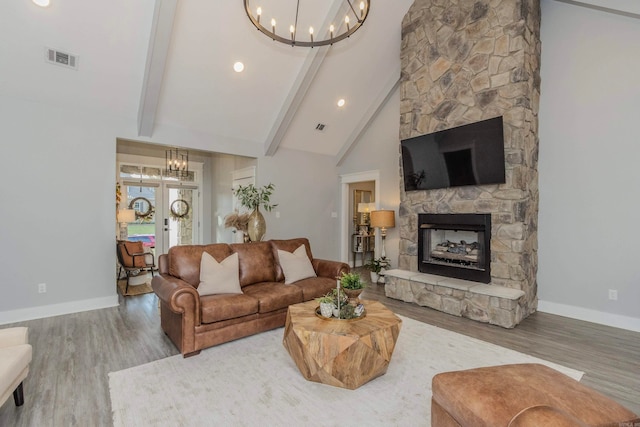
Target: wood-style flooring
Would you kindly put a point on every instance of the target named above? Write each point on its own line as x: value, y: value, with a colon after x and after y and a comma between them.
x: 68, y: 382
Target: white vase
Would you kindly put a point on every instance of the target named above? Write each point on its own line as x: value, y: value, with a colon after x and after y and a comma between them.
x: 374, y: 277
x: 326, y: 309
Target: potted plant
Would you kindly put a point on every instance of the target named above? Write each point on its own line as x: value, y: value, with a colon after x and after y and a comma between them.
x: 326, y: 305
x: 352, y: 284
x: 252, y: 197
x: 375, y: 266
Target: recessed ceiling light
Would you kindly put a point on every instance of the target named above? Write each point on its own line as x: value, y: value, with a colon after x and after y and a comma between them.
x: 238, y: 67
x: 41, y: 3
x: 341, y: 102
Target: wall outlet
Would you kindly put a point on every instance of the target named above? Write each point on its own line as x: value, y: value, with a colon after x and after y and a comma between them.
x: 277, y: 214
x: 42, y: 288
x: 613, y: 294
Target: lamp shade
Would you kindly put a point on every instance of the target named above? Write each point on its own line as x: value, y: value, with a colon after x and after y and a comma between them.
x: 364, y: 207
x: 383, y: 219
x: 126, y: 215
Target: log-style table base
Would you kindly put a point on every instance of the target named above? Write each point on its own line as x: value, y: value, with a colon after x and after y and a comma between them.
x: 341, y: 353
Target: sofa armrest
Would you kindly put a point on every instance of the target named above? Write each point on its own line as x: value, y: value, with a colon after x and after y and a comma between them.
x: 331, y: 269
x: 14, y: 336
x: 179, y: 296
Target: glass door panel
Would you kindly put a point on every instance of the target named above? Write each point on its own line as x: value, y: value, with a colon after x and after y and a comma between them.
x: 143, y: 200
x: 181, y: 223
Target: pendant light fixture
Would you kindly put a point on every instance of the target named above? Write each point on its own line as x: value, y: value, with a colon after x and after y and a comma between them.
x: 357, y: 12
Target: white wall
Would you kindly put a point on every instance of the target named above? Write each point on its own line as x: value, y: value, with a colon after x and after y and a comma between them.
x: 588, y: 165
x: 58, y: 206
x: 307, y: 192
x: 57, y: 211
x: 378, y: 149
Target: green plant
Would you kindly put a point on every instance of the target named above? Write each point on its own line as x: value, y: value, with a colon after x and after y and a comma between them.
x: 377, y: 264
x: 351, y: 281
x: 252, y: 197
x: 326, y: 299
x: 344, y: 299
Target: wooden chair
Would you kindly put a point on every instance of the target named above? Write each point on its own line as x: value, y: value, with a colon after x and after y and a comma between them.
x: 133, y: 259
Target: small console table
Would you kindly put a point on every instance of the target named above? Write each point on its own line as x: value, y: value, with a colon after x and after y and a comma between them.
x: 362, y: 244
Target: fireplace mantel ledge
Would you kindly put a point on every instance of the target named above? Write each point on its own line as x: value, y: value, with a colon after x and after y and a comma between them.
x: 493, y: 304
x: 462, y: 285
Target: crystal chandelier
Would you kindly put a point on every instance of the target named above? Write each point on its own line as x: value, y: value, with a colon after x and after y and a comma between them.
x: 353, y: 19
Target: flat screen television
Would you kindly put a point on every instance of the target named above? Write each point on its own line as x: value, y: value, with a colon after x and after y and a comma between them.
x: 471, y: 154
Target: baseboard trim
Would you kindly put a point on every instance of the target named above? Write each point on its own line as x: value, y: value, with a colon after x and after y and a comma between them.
x: 40, y: 312
x: 588, y: 315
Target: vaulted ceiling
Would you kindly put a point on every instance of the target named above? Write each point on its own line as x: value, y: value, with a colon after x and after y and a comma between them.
x: 169, y: 63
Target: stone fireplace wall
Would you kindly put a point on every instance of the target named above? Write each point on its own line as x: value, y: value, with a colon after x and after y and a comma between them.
x: 465, y: 61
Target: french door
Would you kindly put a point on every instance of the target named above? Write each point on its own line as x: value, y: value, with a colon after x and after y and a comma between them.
x: 180, y: 222
x: 167, y: 208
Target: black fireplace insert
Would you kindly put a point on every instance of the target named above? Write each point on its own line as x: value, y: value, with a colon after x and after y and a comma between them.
x: 455, y: 245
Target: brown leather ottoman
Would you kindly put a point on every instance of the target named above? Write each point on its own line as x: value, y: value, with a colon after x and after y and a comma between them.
x: 520, y: 395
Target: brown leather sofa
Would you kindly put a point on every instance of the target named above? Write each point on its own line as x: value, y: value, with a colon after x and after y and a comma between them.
x: 521, y: 395
x: 194, y: 322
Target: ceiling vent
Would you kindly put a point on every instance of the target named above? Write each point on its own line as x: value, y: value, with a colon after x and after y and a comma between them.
x: 62, y: 59
x: 320, y: 127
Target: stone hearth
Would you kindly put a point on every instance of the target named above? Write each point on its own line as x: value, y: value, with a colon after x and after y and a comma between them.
x: 464, y: 61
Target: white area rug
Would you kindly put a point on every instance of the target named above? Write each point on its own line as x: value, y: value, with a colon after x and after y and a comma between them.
x: 254, y: 382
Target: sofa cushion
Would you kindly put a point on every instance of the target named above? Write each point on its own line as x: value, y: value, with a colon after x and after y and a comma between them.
x: 216, y: 308
x: 295, y: 266
x: 315, y: 287
x: 288, y: 245
x: 273, y: 296
x: 184, y: 261
x: 257, y: 263
x: 219, y: 277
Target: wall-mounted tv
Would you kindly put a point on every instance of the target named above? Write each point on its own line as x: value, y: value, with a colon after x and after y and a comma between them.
x: 472, y: 154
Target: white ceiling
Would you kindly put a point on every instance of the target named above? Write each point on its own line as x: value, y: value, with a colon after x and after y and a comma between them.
x: 277, y: 101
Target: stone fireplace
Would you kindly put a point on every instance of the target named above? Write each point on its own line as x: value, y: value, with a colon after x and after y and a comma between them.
x: 462, y: 62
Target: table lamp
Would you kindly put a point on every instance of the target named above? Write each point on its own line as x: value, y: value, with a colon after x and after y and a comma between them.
x: 383, y: 219
x: 125, y: 216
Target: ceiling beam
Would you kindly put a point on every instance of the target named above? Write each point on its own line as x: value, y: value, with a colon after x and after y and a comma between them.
x: 300, y: 86
x: 159, y: 41
x: 370, y: 115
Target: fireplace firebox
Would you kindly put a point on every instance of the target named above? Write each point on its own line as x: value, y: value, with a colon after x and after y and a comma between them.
x: 455, y: 245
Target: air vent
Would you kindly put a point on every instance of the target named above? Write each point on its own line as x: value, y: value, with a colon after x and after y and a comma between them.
x: 62, y: 59
x: 320, y: 127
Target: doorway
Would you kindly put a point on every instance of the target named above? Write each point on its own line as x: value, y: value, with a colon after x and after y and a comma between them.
x: 347, y: 215
x: 167, y: 209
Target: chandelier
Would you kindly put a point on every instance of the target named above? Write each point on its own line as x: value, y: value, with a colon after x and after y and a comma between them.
x: 353, y: 19
x: 177, y: 163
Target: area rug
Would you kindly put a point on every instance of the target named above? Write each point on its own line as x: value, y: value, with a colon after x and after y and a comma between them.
x: 134, y: 290
x: 254, y: 382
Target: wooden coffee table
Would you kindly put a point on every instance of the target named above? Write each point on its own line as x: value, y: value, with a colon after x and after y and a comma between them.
x: 341, y: 353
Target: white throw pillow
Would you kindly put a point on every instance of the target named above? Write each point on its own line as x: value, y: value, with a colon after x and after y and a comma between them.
x: 295, y: 266
x: 219, y: 277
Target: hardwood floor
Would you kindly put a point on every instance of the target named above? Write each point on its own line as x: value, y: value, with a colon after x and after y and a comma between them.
x: 68, y: 382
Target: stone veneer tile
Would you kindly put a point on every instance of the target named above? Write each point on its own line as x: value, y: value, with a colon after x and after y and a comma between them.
x: 498, y: 291
x: 401, y: 274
